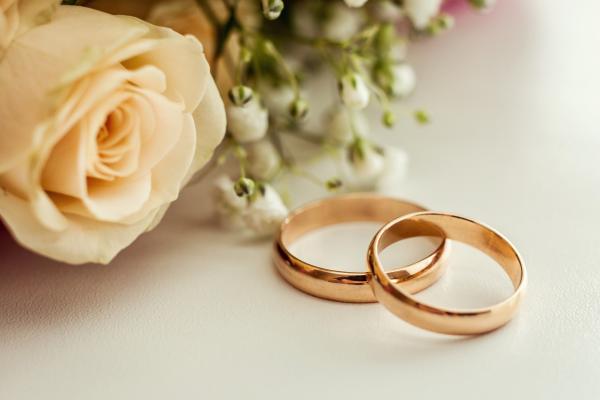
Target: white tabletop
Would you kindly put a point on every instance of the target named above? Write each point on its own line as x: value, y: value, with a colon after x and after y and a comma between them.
x: 192, y: 312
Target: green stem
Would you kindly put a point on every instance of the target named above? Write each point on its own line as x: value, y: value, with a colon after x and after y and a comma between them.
x: 291, y: 77
x: 307, y: 175
x: 240, y: 154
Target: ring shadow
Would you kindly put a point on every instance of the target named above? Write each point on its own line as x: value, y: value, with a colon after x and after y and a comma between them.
x: 392, y: 341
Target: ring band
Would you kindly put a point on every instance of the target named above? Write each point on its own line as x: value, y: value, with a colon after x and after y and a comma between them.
x: 344, y: 286
x: 457, y: 322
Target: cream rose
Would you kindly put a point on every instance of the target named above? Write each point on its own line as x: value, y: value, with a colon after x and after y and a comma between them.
x: 103, y: 119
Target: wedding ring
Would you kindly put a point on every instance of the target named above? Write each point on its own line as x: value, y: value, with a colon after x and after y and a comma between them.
x: 340, y: 285
x: 457, y: 322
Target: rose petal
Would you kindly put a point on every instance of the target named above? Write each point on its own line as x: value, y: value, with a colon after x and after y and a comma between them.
x: 117, y: 153
x: 32, y: 13
x: 111, y: 202
x: 9, y: 22
x: 209, y: 119
x: 210, y: 122
x: 84, y: 98
x: 159, y: 138
x: 17, y: 17
x: 49, y: 54
x: 169, y: 174
x: 183, y: 63
x: 65, y: 169
x: 86, y: 94
x: 83, y: 240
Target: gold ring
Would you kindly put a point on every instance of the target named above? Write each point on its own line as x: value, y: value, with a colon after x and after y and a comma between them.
x: 344, y: 286
x: 456, y: 322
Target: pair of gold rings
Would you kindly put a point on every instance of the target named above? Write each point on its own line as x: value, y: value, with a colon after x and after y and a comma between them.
x: 395, y: 288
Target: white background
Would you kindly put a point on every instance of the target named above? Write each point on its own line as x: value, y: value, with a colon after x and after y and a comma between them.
x: 191, y: 312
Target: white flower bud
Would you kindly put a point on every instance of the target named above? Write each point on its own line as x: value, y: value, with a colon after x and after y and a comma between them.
x: 226, y: 196
x: 386, y: 11
x: 244, y: 187
x: 355, y: 3
x: 265, y: 212
x: 249, y: 122
x: 403, y: 80
x: 363, y: 166
x: 440, y: 24
x: 420, y: 12
x: 343, y: 22
x: 354, y: 91
x: 272, y: 8
x: 277, y: 98
x: 240, y: 95
x: 368, y: 166
x: 339, y: 125
x: 388, y: 118
x: 229, y: 206
x: 263, y: 160
x: 298, y: 108
x: 421, y: 117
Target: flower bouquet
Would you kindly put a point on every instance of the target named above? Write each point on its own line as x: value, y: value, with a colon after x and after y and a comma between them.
x: 104, y: 118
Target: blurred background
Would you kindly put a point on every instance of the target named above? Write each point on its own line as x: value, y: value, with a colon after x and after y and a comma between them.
x: 190, y: 311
